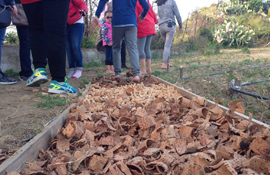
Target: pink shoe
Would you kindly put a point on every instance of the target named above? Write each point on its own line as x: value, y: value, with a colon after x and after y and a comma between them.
x: 77, y: 74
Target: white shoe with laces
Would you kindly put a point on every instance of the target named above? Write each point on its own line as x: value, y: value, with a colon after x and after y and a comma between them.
x: 77, y: 74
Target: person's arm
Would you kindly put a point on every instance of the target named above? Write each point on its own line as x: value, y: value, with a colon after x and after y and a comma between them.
x: 95, y: 21
x: 81, y: 5
x: 177, y: 14
x: 145, y: 7
x: 12, y: 4
x: 104, y: 33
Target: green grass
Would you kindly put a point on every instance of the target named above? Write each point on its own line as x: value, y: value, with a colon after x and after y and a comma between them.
x: 93, y: 64
x: 11, y: 73
x: 50, y: 102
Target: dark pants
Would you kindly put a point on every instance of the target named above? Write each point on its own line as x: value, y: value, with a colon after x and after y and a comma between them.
x: 123, y: 53
x: 47, y: 26
x: 25, y: 60
x: 109, y: 56
x: 74, y: 41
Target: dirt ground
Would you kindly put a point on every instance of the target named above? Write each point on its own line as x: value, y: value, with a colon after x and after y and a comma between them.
x: 23, y: 113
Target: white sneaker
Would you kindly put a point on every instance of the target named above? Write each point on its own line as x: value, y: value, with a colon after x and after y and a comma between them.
x: 71, y: 72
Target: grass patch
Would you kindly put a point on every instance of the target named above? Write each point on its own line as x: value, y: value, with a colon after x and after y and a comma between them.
x: 11, y: 73
x: 50, y: 102
x: 92, y: 64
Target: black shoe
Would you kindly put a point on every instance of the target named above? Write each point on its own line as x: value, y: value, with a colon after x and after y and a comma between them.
x: 125, y: 66
x: 23, y: 78
x: 5, y: 80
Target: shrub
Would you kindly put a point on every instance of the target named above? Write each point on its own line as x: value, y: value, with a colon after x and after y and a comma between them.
x: 88, y: 42
x: 157, y: 42
x: 11, y: 38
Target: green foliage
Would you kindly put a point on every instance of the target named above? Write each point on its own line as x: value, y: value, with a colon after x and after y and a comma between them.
x: 93, y: 64
x: 245, y: 50
x: 11, y: 73
x: 255, y: 5
x: 230, y: 33
x: 155, y: 55
x: 157, y: 42
x: 11, y: 38
x: 233, y: 8
x: 205, y: 32
x: 50, y: 102
x: 88, y: 42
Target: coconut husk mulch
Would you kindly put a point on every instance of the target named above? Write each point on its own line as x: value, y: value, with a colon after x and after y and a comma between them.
x: 149, y: 128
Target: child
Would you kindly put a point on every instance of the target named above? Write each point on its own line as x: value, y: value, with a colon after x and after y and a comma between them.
x: 124, y: 26
x: 106, y: 32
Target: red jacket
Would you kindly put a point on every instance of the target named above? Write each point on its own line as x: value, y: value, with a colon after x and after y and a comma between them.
x: 28, y: 1
x: 74, y: 13
x: 147, y: 26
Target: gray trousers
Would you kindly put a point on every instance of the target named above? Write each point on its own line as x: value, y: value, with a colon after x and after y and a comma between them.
x: 167, y: 33
x: 130, y: 35
x: 143, y: 44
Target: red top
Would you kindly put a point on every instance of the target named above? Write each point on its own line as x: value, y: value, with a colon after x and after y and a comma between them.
x: 147, y: 26
x: 28, y: 1
x: 74, y: 13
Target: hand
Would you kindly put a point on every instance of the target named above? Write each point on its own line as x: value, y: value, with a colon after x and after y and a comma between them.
x: 180, y: 30
x: 83, y: 12
x: 15, y: 11
x: 141, y: 18
x: 95, y: 22
x: 110, y: 44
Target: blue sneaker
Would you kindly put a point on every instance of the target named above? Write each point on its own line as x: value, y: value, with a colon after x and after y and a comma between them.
x: 38, y: 77
x: 58, y: 88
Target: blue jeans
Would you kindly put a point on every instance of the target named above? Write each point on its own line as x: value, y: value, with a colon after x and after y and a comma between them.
x: 74, y: 40
x: 25, y: 60
x: 109, y: 56
x: 2, y: 38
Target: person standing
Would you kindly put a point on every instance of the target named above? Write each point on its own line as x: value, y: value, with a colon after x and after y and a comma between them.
x: 146, y: 30
x: 106, y: 32
x: 47, y: 26
x: 124, y: 25
x: 75, y: 31
x: 167, y: 11
x: 24, y: 39
x: 3, y: 78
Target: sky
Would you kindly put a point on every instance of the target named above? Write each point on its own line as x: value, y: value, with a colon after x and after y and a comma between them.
x: 186, y: 6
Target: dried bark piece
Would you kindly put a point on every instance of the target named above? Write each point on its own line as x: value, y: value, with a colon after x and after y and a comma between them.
x: 260, y: 146
x: 181, y: 146
x: 144, y: 145
x: 135, y: 169
x: 124, y: 168
x: 141, y: 112
x: 97, y: 163
x: 185, y: 102
x: 69, y: 131
x: 146, y: 122
x: 112, y: 102
x: 156, y: 167
x: 80, y: 157
x: 200, y: 100
x: 109, y: 153
x: 167, y: 133
x: 185, y: 131
x: 110, y: 140
x: 217, y: 163
x: 217, y: 113
x: 237, y: 105
x: 167, y: 159
x: 259, y: 164
x: 62, y: 145
x: 200, y: 112
x: 152, y: 154
x: 129, y: 91
x: 113, y: 170
x: 189, y: 169
x: 225, y: 169
x: 89, y: 125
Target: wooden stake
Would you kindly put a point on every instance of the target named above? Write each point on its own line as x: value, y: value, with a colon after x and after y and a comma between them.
x: 181, y: 72
x: 168, y: 64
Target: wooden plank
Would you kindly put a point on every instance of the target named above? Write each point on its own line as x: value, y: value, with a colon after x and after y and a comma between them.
x: 29, y: 152
x: 189, y: 95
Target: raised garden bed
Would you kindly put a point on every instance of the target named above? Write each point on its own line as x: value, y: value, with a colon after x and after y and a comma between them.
x: 148, y: 128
